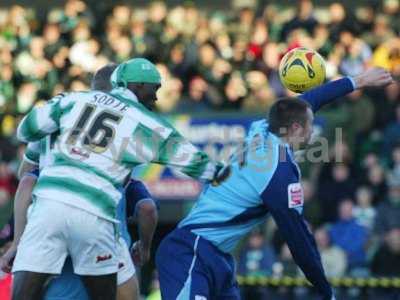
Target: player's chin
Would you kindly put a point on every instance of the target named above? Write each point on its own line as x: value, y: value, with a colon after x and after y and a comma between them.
x: 305, y: 145
x: 151, y: 105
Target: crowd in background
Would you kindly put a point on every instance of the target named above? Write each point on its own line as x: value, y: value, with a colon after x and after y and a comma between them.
x: 217, y: 61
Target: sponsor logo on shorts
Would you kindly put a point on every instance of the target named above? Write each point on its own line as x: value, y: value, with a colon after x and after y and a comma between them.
x: 295, y: 195
x: 120, y: 265
x: 101, y: 258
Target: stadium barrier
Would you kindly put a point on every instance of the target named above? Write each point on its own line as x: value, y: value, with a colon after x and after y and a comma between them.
x: 371, y: 282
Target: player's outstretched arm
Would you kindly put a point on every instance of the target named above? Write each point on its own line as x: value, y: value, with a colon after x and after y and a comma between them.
x: 21, y: 203
x: 331, y: 91
x: 27, y: 173
x: 141, y: 205
x: 164, y: 145
x: 291, y: 225
x: 179, y: 153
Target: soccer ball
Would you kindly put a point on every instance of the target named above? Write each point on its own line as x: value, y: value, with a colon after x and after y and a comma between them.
x: 302, y: 69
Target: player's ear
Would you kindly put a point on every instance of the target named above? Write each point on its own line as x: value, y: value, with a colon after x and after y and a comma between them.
x: 296, y: 126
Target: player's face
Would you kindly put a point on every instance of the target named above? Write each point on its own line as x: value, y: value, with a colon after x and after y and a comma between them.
x: 300, y: 135
x: 148, y: 94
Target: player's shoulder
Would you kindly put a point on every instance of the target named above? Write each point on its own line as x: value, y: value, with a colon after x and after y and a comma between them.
x: 67, y: 97
x: 151, y: 121
x: 265, y: 155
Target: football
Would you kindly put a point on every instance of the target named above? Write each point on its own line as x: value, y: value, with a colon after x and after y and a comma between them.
x: 302, y: 69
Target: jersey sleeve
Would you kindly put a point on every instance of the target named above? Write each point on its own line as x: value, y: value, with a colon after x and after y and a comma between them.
x: 135, y: 192
x: 328, y: 92
x: 163, y: 144
x: 180, y: 154
x: 32, y: 153
x: 283, y: 199
x: 34, y: 173
x: 43, y: 120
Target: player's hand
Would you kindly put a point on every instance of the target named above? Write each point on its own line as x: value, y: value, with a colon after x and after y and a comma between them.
x: 140, y: 254
x: 7, y: 259
x: 373, y: 77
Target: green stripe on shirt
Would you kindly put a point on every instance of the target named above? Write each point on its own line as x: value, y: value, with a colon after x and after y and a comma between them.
x: 197, y: 165
x: 68, y: 108
x: 95, y: 196
x: 30, y: 130
x: 64, y: 161
x: 170, y: 148
x: 57, y: 111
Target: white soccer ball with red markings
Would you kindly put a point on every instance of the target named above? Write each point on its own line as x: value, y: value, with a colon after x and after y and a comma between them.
x: 302, y: 69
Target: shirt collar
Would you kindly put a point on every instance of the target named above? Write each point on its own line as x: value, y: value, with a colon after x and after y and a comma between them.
x: 124, y: 92
x: 278, y: 140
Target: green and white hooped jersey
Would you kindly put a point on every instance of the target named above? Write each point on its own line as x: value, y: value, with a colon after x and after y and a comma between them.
x: 94, y: 141
x: 38, y: 153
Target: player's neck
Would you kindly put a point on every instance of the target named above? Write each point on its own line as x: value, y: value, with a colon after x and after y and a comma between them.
x: 291, y: 141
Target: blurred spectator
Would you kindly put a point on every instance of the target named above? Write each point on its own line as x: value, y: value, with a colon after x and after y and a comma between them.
x: 392, y: 134
x: 395, y: 162
x: 340, y: 185
x: 387, y: 55
x: 386, y: 261
x: 377, y: 182
x: 356, y: 54
x: 385, y: 101
x: 260, y: 96
x: 340, y: 21
x: 380, y: 33
x: 349, y: 235
x: 235, y: 91
x: 201, y: 97
x: 312, y: 209
x: 7, y: 90
x: 5, y: 279
x: 364, y: 212
x: 257, y: 257
x: 286, y: 265
x: 53, y: 40
x: 362, y: 113
x: 7, y: 183
x: 333, y: 258
x: 7, y: 190
x: 388, y: 212
x: 303, y: 19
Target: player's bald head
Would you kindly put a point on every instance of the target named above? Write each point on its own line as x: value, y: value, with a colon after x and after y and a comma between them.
x: 101, y: 79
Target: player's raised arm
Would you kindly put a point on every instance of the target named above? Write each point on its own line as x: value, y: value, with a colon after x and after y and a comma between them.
x: 284, y: 201
x: 43, y: 120
x: 330, y: 91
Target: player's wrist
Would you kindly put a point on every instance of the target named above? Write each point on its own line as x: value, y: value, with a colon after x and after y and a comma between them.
x: 356, y: 81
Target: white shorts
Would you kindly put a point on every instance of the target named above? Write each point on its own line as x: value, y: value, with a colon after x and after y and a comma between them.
x: 55, y: 230
x: 126, y: 269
